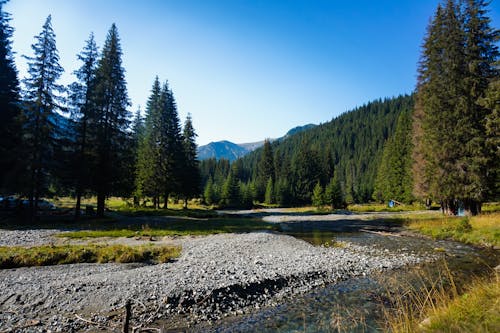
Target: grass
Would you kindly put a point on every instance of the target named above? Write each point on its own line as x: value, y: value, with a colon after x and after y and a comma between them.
x: 376, y: 207
x: 13, y: 257
x: 490, y: 207
x: 434, y: 304
x: 179, y: 228
x: 482, y: 230
x: 477, y: 310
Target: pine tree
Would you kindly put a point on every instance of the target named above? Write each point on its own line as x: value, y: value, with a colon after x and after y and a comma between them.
x: 42, y: 100
x: 231, y: 191
x: 456, y: 64
x: 333, y: 194
x: 307, y: 172
x: 81, y: 108
x: 191, y: 178
x: 246, y: 195
x: 149, y: 176
x: 265, y: 170
x: 492, y: 125
x: 171, y: 145
x: 394, y: 179
x: 208, y: 193
x: 318, y: 198
x: 269, y: 196
x: 111, y: 119
x: 10, y: 128
x: 283, y: 195
x: 481, y: 54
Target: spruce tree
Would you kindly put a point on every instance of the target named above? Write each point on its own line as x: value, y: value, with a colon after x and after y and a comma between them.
x: 269, y: 196
x: 481, y: 54
x: 171, y: 145
x: 111, y: 119
x: 231, y: 192
x: 333, y: 194
x: 394, y: 179
x: 42, y: 99
x: 149, y: 177
x: 265, y: 170
x: 456, y: 65
x: 318, y: 197
x: 82, y: 108
x: 208, y: 193
x: 10, y: 129
x: 191, y: 178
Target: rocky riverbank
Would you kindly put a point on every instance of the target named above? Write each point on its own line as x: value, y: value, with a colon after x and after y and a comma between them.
x: 216, y: 276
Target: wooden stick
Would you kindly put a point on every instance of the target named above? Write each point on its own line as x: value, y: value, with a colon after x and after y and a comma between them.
x: 128, y: 314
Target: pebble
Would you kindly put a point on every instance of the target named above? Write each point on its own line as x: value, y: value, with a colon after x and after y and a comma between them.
x: 215, y: 276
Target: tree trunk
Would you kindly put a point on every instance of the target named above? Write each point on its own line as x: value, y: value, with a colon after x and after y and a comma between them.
x: 472, y: 207
x: 101, y: 200
x: 78, y: 205
x: 185, y: 203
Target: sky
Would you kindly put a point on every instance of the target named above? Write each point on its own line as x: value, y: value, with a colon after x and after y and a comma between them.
x: 245, y: 70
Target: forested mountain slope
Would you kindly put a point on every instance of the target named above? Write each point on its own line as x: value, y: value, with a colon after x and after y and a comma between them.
x: 348, y: 148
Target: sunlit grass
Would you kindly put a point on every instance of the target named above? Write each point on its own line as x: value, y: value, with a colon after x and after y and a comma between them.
x: 490, y: 207
x: 13, y: 257
x: 481, y: 230
x: 376, y: 207
x: 434, y: 303
x: 478, y: 310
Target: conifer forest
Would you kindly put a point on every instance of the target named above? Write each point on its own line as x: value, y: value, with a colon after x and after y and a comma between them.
x: 439, y: 144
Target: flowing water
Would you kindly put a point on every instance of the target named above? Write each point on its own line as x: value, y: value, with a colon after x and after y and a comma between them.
x: 357, y: 304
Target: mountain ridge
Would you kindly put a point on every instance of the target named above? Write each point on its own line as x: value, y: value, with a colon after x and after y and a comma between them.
x: 232, y: 151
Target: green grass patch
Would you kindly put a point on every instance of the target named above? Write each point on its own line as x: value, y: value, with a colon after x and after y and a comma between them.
x: 435, y: 299
x: 13, y: 257
x: 376, y: 207
x: 478, y: 310
x: 483, y: 230
x: 491, y: 207
x: 178, y: 228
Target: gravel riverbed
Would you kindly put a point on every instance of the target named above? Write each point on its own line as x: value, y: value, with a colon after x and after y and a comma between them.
x: 215, y: 276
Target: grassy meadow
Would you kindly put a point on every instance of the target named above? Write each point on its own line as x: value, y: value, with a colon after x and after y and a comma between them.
x: 13, y: 257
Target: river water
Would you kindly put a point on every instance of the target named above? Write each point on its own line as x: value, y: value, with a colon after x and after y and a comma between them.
x: 358, y: 304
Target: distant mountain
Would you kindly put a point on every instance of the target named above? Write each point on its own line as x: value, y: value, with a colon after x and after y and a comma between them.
x: 232, y: 151
x: 222, y: 149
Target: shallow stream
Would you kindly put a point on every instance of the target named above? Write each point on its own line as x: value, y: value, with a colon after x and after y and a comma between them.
x: 356, y: 305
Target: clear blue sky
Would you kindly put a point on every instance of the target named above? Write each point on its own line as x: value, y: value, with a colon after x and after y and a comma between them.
x: 246, y: 69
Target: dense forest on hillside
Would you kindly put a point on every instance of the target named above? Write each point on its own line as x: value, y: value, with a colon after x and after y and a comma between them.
x: 348, y: 149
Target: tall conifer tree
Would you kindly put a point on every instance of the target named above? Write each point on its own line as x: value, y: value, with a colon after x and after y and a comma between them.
x: 191, y: 178
x: 9, y: 108
x: 82, y: 109
x: 42, y: 100
x: 456, y: 65
x: 171, y: 149
x: 149, y: 178
x: 112, y: 120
